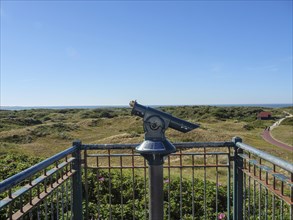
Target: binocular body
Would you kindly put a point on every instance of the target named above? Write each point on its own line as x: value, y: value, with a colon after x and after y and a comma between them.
x: 155, y: 146
x: 169, y: 120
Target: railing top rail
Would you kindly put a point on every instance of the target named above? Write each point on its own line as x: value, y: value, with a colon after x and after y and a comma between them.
x: 204, y: 144
x: 17, y: 178
x: 178, y: 145
x: 268, y: 157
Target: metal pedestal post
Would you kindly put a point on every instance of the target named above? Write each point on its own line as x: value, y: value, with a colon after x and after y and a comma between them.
x: 156, y: 204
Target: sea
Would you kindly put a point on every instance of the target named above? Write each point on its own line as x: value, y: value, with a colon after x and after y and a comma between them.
x: 17, y: 108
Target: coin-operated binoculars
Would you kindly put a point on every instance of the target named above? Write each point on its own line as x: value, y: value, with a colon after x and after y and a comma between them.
x: 155, y: 147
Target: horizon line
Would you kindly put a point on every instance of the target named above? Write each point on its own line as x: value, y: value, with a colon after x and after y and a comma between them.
x: 120, y: 105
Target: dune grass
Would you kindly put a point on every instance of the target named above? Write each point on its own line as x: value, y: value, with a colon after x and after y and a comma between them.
x: 283, y: 133
x: 43, y: 132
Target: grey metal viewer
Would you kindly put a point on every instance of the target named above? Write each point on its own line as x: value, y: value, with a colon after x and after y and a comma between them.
x: 155, y: 147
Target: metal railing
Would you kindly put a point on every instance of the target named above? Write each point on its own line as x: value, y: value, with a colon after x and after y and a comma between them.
x: 264, y: 183
x: 47, y: 190
x: 214, y: 180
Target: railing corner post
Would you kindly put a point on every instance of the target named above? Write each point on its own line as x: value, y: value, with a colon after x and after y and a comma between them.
x: 236, y: 139
x: 77, y: 182
x: 237, y: 181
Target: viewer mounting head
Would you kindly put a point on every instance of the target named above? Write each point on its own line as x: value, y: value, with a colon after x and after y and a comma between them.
x: 155, y: 123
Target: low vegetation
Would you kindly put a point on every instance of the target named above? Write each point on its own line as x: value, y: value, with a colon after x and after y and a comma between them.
x: 11, y: 164
x: 284, y: 132
x: 99, y: 194
x: 27, y: 136
x: 44, y: 132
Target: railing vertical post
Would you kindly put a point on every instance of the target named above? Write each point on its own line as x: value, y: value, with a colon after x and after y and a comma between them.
x: 237, y: 182
x: 77, y: 183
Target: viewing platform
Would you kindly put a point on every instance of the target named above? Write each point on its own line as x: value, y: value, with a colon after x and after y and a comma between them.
x: 202, y: 180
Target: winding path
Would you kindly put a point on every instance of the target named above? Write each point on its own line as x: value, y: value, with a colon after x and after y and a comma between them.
x: 267, y: 136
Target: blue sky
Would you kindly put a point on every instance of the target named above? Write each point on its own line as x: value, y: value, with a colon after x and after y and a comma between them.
x: 160, y: 53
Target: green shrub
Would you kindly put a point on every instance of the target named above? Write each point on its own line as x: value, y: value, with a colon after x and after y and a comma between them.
x: 288, y: 121
x: 248, y: 127
x: 17, y: 139
x: 125, y: 188
x: 13, y: 163
x: 99, y: 113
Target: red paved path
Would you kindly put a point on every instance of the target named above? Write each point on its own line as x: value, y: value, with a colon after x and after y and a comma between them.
x: 267, y: 137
